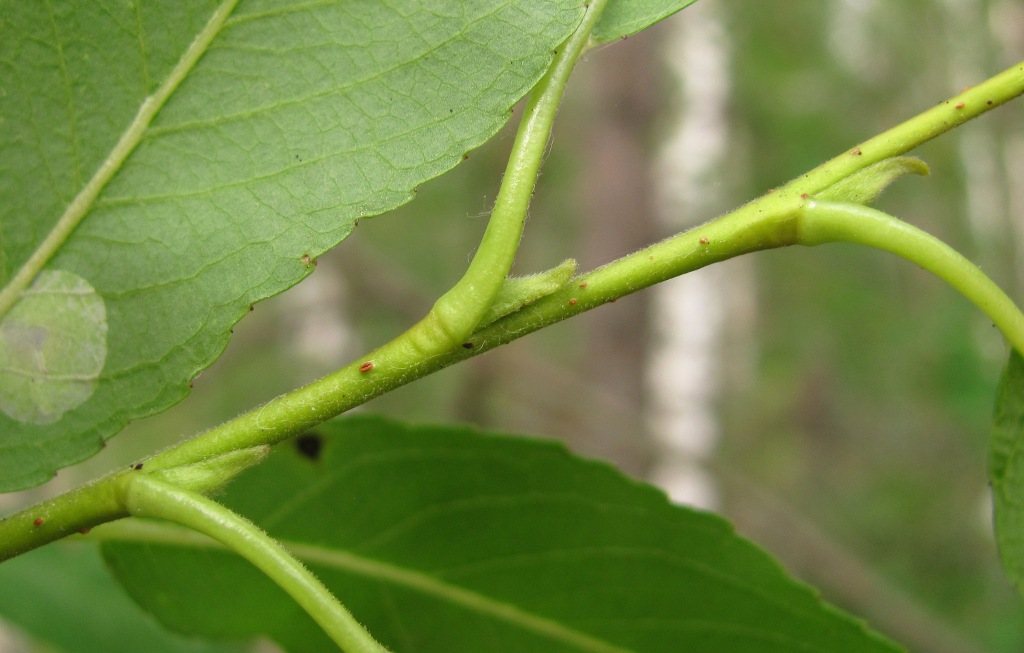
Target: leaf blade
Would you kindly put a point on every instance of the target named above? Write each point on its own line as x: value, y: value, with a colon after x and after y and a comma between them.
x: 297, y: 121
x: 511, y: 544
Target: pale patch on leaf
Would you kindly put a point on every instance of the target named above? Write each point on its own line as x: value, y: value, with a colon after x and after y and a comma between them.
x: 53, y: 344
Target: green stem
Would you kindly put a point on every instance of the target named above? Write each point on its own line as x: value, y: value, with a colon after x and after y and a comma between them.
x: 769, y: 221
x: 73, y: 512
x: 947, y: 115
x: 148, y: 497
x: 457, y: 313
x: 829, y: 222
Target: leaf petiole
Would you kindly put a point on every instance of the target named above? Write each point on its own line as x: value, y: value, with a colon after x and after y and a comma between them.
x: 459, y: 311
x: 149, y: 497
x: 821, y: 222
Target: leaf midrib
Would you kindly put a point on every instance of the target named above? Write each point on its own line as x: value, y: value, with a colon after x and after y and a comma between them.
x: 155, y: 533
x: 132, y: 136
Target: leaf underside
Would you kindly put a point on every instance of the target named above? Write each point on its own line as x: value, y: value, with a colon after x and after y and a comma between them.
x: 298, y: 119
x: 445, y: 539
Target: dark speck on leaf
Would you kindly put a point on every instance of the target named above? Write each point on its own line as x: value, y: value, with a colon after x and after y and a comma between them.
x: 309, y: 445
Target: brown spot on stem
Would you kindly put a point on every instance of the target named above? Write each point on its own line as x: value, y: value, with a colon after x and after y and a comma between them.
x: 856, y: 151
x: 38, y: 521
x: 366, y: 367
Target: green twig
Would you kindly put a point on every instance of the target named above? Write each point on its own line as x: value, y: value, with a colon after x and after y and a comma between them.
x: 73, y: 512
x: 148, y: 497
x: 769, y: 221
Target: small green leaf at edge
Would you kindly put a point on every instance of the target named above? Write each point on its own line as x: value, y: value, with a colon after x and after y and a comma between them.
x: 1006, y: 469
x: 622, y: 18
x: 445, y: 539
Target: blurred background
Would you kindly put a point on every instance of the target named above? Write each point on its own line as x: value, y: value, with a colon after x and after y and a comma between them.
x: 833, y: 402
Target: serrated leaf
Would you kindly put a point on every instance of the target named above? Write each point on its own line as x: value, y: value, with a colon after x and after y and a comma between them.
x: 295, y: 120
x: 1006, y: 469
x: 62, y: 595
x: 445, y: 539
x: 622, y: 18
